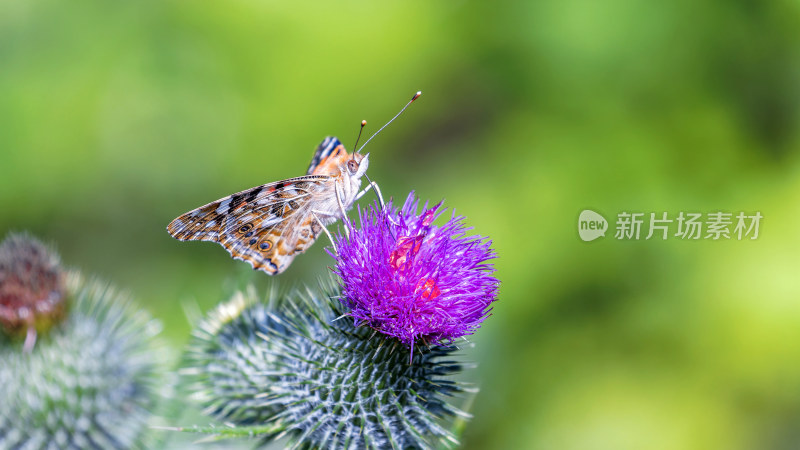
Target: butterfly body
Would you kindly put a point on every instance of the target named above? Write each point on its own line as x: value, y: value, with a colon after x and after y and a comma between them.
x: 268, y: 225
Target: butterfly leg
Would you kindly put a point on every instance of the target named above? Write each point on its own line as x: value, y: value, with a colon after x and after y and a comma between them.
x: 372, y: 185
x: 314, y: 213
x: 341, y: 209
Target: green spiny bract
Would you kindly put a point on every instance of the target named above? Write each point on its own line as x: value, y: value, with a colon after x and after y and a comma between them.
x: 91, y: 382
x: 296, y: 367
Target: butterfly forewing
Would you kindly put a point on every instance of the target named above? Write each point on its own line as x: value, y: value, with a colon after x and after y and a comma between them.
x: 265, y: 226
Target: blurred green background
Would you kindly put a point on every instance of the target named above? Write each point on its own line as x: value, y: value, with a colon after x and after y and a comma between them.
x: 115, y: 117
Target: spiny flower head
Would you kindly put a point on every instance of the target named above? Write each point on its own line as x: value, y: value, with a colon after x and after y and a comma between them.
x: 94, y: 381
x: 31, y: 286
x: 287, y: 367
x: 418, y: 282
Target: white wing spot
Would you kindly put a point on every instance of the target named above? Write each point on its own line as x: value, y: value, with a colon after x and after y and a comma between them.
x: 272, y: 221
x: 223, y: 207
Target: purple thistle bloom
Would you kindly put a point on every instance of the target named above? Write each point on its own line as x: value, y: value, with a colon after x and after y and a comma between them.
x: 415, y: 281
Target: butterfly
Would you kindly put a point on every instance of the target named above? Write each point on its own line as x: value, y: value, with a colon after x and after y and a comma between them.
x: 268, y: 225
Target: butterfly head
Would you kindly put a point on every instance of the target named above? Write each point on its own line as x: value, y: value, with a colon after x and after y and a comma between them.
x: 332, y: 159
x: 357, y: 165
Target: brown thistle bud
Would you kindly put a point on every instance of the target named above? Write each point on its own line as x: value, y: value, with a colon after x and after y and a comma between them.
x: 31, y: 287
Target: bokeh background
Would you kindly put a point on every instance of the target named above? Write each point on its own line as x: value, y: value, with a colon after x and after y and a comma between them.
x: 115, y: 117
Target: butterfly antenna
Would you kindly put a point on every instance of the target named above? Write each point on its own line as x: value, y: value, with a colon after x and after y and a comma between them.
x: 363, y: 124
x: 416, y: 96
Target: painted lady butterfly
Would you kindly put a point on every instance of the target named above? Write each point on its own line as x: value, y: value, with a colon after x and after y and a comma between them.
x: 268, y: 225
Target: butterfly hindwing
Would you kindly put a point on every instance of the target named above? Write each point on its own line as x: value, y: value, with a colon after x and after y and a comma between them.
x: 273, y: 247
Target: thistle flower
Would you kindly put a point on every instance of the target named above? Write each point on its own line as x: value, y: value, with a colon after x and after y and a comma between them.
x: 289, y: 368
x: 31, y: 287
x: 407, y: 278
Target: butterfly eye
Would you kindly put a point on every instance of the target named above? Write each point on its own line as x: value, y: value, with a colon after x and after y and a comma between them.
x: 266, y: 245
x: 352, y: 166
